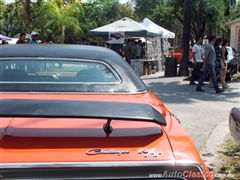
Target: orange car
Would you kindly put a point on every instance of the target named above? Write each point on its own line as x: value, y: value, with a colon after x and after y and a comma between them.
x: 177, y: 53
x: 80, y: 112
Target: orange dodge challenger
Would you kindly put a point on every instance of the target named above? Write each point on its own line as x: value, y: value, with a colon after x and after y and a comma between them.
x: 80, y: 112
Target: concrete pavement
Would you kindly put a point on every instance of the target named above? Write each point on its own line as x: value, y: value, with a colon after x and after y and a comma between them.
x: 204, y: 115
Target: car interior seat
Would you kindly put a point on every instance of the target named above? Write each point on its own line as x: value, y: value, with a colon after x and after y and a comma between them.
x: 90, y: 75
x: 13, y: 75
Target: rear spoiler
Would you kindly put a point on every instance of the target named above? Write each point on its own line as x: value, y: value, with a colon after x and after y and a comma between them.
x: 80, y: 109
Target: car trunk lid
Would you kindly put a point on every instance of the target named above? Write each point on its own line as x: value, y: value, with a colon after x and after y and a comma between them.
x: 81, y: 140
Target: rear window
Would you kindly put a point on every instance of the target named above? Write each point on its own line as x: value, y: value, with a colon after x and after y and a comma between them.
x: 62, y: 71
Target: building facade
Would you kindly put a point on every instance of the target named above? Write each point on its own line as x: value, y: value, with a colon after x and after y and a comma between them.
x: 235, y: 32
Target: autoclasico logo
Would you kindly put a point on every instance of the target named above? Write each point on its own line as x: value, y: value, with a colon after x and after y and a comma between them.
x: 187, y: 174
x: 98, y: 151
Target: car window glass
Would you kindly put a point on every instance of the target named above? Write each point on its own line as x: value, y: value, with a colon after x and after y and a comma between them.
x: 56, y: 71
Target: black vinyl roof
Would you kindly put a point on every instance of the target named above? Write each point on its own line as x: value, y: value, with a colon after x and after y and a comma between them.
x: 131, y: 83
x: 57, y: 50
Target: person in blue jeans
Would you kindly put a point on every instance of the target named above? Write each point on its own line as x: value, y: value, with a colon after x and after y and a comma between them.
x: 209, y: 62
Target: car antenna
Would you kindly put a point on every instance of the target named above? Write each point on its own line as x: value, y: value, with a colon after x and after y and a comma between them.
x: 107, y: 127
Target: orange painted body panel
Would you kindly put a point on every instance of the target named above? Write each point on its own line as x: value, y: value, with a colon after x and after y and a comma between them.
x: 67, y: 140
x: 177, y: 53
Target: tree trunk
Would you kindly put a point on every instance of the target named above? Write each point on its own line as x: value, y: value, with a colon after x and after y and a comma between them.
x: 62, y: 34
x: 200, y: 20
x: 28, y: 15
x: 210, y: 29
x: 185, y: 38
x: 204, y: 27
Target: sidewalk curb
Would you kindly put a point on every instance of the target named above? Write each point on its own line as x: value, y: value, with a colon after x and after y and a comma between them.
x: 157, y: 74
x: 214, y: 143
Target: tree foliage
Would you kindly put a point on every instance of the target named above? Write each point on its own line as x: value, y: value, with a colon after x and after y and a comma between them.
x: 70, y: 20
x: 60, y: 20
x: 214, y: 15
x: 60, y: 15
x: 210, y: 16
x: 101, y: 12
x: 2, y: 19
x: 235, y: 12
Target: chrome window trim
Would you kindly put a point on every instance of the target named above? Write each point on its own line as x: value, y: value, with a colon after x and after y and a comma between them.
x: 103, y: 164
x: 112, y: 70
x: 84, y: 164
x: 76, y: 93
x: 63, y: 83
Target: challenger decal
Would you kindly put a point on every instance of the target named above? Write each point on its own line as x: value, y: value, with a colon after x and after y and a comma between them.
x: 97, y: 151
x: 149, y: 152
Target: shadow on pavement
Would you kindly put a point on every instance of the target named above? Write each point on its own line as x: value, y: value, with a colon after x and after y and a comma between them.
x: 179, y: 91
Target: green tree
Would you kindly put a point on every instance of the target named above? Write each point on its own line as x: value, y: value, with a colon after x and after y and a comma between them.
x: 10, y: 24
x: 2, y: 19
x: 160, y: 12
x: 19, y: 16
x: 208, y: 16
x: 125, y: 10
x: 234, y: 12
x: 59, y: 15
x: 214, y: 15
x: 26, y: 14
x: 166, y: 13
x: 144, y: 8
x: 68, y: 20
x: 101, y: 12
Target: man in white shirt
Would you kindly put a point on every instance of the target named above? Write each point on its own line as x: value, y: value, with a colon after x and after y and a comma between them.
x: 198, y: 60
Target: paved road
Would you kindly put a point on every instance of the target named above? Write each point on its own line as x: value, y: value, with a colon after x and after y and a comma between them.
x: 200, y: 113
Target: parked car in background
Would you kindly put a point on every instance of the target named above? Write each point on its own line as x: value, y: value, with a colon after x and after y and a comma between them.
x: 177, y: 53
x: 81, y: 112
x: 233, y: 63
x: 234, y: 124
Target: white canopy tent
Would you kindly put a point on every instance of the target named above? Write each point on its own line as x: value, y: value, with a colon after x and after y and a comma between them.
x: 133, y: 29
x: 13, y: 41
x: 162, y: 44
x: 156, y: 28
x: 126, y: 25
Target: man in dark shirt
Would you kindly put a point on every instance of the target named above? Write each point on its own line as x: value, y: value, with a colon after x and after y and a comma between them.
x: 22, y: 39
x: 129, y: 51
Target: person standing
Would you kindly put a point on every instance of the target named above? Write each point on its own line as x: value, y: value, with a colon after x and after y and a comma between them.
x: 219, y: 62
x: 35, y: 38
x: 139, y: 49
x: 127, y: 51
x: 224, y: 57
x: 209, y: 61
x: 130, y: 51
x: 22, y: 39
x: 198, y: 60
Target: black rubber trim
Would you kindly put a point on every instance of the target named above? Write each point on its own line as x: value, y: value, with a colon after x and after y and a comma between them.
x: 80, y: 109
